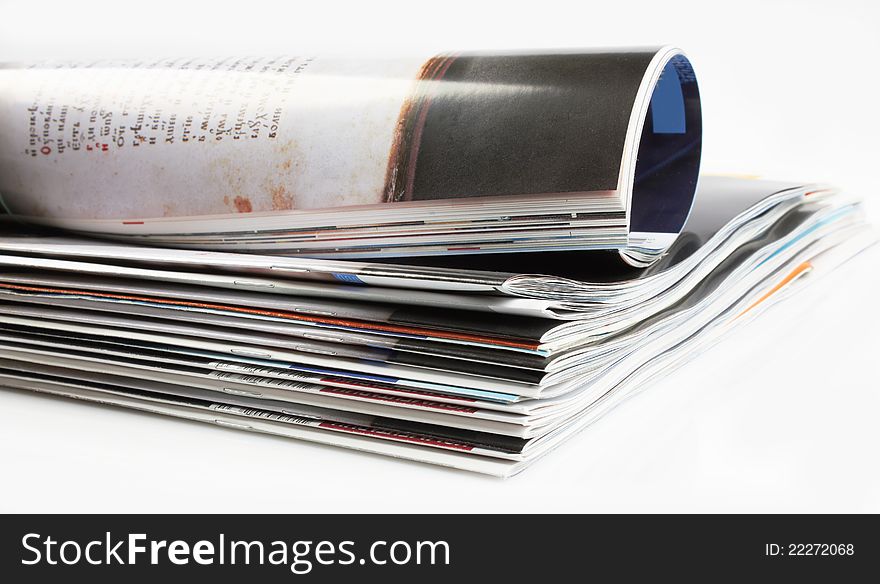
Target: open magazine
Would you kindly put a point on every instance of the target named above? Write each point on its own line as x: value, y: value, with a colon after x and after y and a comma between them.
x: 456, y: 153
x: 479, y: 361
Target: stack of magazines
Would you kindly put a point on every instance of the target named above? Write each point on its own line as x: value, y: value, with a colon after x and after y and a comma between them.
x: 460, y: 259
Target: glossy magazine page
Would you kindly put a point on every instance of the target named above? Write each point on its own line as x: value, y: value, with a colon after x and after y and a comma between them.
x: 359, y: 157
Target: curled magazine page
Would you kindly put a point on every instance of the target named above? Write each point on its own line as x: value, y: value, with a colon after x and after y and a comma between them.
x: 458, y: 153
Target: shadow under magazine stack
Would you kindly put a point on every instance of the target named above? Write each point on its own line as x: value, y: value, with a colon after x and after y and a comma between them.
x: 478, y: 370
x: 187, y: 237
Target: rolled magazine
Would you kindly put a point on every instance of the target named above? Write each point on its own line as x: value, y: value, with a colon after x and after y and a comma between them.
x: 354, y: 157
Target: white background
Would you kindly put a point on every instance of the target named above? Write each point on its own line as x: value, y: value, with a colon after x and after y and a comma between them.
x: 782, y: 416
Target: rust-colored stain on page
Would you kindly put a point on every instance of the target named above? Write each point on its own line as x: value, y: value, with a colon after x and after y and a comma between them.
x: 281, y: 199
x: 243, y: 204
x: 400, y: 173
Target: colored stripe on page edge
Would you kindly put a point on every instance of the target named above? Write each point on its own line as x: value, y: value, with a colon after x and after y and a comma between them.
x: 801, y: 269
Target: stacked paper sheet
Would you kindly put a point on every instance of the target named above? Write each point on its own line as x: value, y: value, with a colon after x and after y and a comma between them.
x: 430, y: 359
